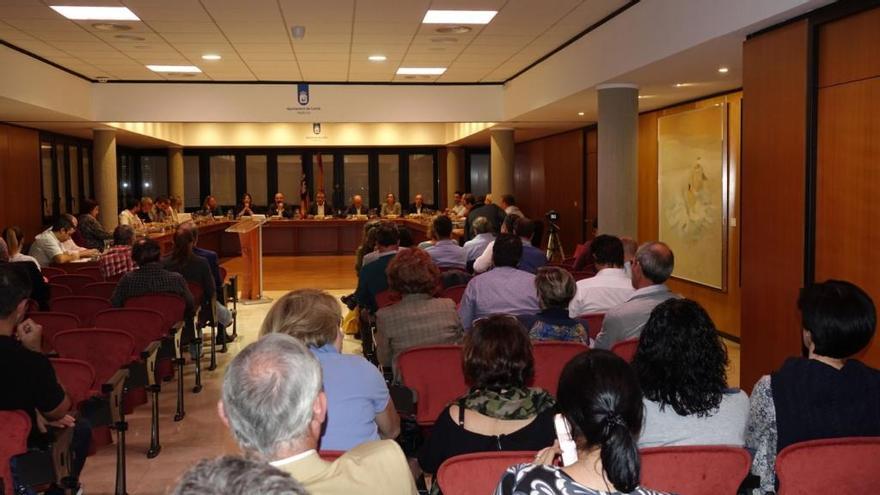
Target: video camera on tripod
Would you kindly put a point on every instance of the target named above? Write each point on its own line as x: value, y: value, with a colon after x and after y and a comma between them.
x: 554, y: 247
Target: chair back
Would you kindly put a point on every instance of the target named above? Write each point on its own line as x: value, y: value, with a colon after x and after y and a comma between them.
x: 50, y: 271
x: 106, y: 349
x: 594, y: 322
x: 32, y: 305
x: 434, y: 390
x: 171, y: 307
x: 550, y: 358
x: 455, y: 293
x: 197, y: 292
x: 387, y: 298
x: 76, y: 376
x: 695, y: 470
x: 84, y: 307
x: 145, y: 325
x: 834, y: 465
x: 331, y: 455
x: 626, y: 349
x: 74, y: 281
x: 477, y: 473
x: 58, y: 290
x: 223, y: 274
x: 15, y: 426
x: 91, y: 271
x: 53, y: 323
x: 104, y: 290
x: 115, y: 278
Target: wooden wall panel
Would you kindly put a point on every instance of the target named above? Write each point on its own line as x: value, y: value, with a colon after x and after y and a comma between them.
x: 848, y: 188
x: 723, y: 307
x: 592, y: 192
x: 20, y: 179
x: 773, y: 196
x: 848, y: 49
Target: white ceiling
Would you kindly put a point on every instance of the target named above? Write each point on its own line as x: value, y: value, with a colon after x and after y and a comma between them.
x: 254, y: 39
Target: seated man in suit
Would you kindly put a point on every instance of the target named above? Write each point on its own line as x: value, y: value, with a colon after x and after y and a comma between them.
x: 357, y: 206
x: 418, y: 207
x: 273, y: 404
x: 372, y: 279
x: 651, y: 268
x: 279, y: 207
x: 321, y: 208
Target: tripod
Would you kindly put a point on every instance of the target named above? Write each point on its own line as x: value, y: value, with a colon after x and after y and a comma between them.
x: 554, y: 247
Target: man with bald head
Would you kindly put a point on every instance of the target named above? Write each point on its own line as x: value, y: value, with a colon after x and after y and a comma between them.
x: 357, y: 206
x: 651, y: 267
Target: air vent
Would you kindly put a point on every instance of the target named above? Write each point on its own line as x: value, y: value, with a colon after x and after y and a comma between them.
x: 453, y: 30
x: 108, y: 26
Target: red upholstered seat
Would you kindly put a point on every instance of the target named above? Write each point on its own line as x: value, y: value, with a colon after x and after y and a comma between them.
x: 331, y: 455
x: 835, y: 465
x: 74, y: 281
x: 91, y: 271
x: 223, y: 274
x: 49, y: 272
x: 695, y: 470
x: 84, y: 307
x: 419, y: 367
x: 387, y: 298
x: 52, y: 323
x: 626, y: 349
x: 77, y: 377
x: 58, y: 290
x: 550, y: 358
x: 15, y: 426
x: 144, y: 325
x: 455, y: 293
x: 104, y: 290
x: 197, y: 293
x: 594, y: 321
x: 477, y: 473
x: 106, y: 349
x: 32, y: 305
x: 170, y: 306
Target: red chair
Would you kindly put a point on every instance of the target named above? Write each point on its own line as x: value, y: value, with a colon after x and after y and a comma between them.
x: 53, y: 323
x: 550, y: 358
x: 58, y: 290
x: 834, y: 465
x: 77, y: 377
x: 594, y: 321
x: 73, y: 281
x: 84, y: 307
x: 50, y: 272
x: 90, y: 271
x: 32, y: 306
x: 626, y: 349
x: 695, y: 470
x: 419, y: 367
x: 455, y: 293
x: 115, y: 278
x: 15, y: 426
x: 104, y: 290
x: 331, y: 455
x: 387, y: 298
x: 478, y: 473
x: 582, y: 274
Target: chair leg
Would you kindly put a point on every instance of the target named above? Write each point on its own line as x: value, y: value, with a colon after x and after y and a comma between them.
x: 180, y: 407
x: 213, y: 364
x: 196, y: 347
x: 155, y: 447
x: 120, y: 426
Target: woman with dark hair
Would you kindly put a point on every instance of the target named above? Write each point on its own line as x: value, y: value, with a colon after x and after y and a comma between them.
x: 681, y: 365
x: 828, y: 394
x: 600, y: 399
x: 14, y: 238
x: 499, y: 412
x: 90, y: 230
x: 246, y: 208
x: 193, y: 267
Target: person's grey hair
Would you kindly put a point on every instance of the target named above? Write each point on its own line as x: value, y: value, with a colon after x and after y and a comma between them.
x: 123, y: 235
x: 556, y: 287
x: 234, y: 475
x: 656, y: 260
x: 482, y: 225
x: 269, y: 392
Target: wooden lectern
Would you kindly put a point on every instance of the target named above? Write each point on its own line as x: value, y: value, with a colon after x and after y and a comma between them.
x: 250, y: 233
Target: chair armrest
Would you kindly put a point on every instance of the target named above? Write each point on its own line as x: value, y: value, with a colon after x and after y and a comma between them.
x: 60, y: 449
x: 176, y: 333
x: 150, y: 355
x: 114, y: 389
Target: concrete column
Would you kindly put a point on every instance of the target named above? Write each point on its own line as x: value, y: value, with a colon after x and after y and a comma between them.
x: 454, y: 171
x: 501, y: 162
x: 618, y: 159
x: 104, y: 170
x: 175, y: 172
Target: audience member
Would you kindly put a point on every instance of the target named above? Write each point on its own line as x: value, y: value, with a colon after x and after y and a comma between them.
x: 652, y: 266
x: 129, y: 215
x: 419, y: 318
x: 47, y: 247
x: 90, y: 229
x: 390, y: 206
x: 211, y: 208
x: 459, y: 209
x: 321, y: 208
x: 483, y: 235
x: 599, y: 397
x: 28, y: 271
x: 224, y: 317
x: 70, y: 245
x: 532, y: 258
x: 233, y: 475
x: 274, y: 406
x: 555, y: 288
x: 630, y: 246
x: 492, y: 213
x: 279, y: 207
x: 681, y: 365
x: 418, y: 206
x: 508, y: 204
x: 150, y: 278
x: 246, y: 208
x: 146, y: 213
x: 499, y: 412
x: 14, y: 241
x: 372, y: 279
x: 828, y: 394
x: 505, y: 289
x: 406, y: 238
x: 357, y: 397
x: 366, y: 252
x: 446, y: 252
x: 610, y: 287
x: 357, y: 208
x: 117, y: 259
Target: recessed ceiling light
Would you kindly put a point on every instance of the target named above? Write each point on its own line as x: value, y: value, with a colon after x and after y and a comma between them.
x: 174, y: 68
x: 453, y: 30
x: 642, y: 97
x: 130, y: 37
x: 421, y: 71
x: 581, y: 114
x: 723, y: 70
x: 109, y: 26
x: 459, y: 16
x: 77, y: 13
x: 377, y: 58
x: 211, y: 56
x: 683, y: 85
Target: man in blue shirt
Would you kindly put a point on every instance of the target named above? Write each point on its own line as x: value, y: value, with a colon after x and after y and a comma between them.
x: 446, y: 253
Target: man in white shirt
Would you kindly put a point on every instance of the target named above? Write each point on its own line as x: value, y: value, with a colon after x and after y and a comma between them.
x: 484, y: 233
x: 70, y: 246
x: 47, y: 247
x: 610, y: 287
x: 129, y: 216
x: 508, y: 204
x: 459, y: 209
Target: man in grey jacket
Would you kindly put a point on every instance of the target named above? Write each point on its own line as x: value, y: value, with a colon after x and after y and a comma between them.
x: 651, y: 267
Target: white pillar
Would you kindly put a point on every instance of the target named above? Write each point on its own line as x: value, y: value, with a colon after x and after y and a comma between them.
x: 618, y: 159
x: 104, y: 170
x: 501, y: 160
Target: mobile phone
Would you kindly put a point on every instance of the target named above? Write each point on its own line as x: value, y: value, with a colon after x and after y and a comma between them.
x: 566, y: 442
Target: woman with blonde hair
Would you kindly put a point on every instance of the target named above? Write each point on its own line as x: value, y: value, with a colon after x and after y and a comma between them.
x: 359, y: 405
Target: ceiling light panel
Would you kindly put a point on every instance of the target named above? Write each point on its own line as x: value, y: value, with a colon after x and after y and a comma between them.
x: 459, y: 16
x: 78, y: 13
x: 421, y: 71
x: 175, y: 68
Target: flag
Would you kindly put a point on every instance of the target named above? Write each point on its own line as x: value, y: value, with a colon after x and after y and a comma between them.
x: 303, y: 193
x: 319, y: 175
